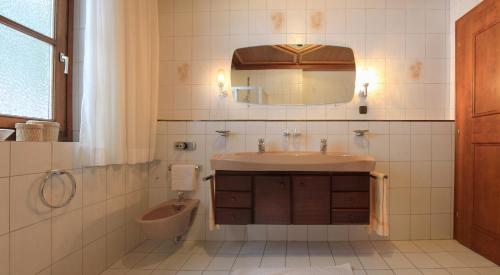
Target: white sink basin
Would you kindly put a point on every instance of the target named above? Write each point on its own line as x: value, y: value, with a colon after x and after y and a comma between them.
x: 293, y: 161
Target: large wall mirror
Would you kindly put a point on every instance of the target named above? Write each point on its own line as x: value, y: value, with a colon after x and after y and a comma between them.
x: 293, y: 74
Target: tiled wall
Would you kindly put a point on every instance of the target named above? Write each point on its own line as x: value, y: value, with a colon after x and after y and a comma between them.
x: 89, y: 234
x: 408, y: 42
x: 405, y: 42
x: 418, y: 157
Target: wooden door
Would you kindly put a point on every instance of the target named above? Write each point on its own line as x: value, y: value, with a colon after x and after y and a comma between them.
x: 477, y: 167
x: 311, y: 199
x: 272, y: 200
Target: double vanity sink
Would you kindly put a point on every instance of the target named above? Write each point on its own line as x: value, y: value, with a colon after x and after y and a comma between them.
x: 292, y: 188
x: 292, y: 161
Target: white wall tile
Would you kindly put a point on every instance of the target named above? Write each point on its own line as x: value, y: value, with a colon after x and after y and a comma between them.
x: 65, y: 155
x: 421, y: 148
x: 436, y: 21
x: 94, y: 222
x: 420, y: 227
x: 69, y: 264
x: 442, y: 173
x: 400, y: 201
x: 317, y: 233
x: 400, y: 147
x: 399, y: 227
x: 421, y: 174
x: 400, y: 174
x: 115, y: 180
x: 355, y: 21
x: 33, y: 243
x: 415, y: 21
x: 420, y: 201
x: 358, y: 233
x: 376, y: 20
x: 338, y: 232
x: 115, y: 213
x: 94, y: 185
x: 441, y: 200
x: 441, y: 147
x: 257, y: 232
x: 235, y: 233
x: 26, y: 207
x: 396, y: 21
x: 30, y: 157
x: 4, y: 254
x: 66, y: 234
x: 115, y: 246
x: 4, y: 159
x: 94, y: 257
x: 441, y: 226
x: 4, y: 205
x: 277, y: 232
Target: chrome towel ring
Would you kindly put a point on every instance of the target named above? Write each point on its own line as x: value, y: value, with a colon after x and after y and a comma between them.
x: 44, y: 183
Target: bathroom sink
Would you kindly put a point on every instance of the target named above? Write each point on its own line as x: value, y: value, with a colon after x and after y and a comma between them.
x: 292, y: 161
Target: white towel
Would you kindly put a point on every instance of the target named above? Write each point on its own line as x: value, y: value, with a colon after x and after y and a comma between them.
x: 211, y: 214
x: 379, y: 214
x: 184, y: 177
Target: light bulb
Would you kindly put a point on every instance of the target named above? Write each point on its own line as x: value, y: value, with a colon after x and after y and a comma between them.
x: 221, y: 82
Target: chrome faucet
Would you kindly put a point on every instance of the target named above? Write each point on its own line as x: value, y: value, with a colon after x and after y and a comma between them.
x: 262, y: 145
x: 324, y: 145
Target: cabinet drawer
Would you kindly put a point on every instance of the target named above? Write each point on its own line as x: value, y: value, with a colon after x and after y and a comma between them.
x: 351, y: 200
x: 233, y: 216
x: 233, y: 199
x: 233, y: 183
x: 346, y: 183
x: 350, y: 216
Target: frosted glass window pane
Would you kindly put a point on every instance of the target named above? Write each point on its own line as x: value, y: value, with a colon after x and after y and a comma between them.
x: 25, y: 75
x: 37, y: 15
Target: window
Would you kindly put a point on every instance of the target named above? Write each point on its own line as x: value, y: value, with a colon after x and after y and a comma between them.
x: 35, y: 50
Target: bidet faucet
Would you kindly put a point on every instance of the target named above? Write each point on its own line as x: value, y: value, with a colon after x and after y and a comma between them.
x: 324, y: 145
x: 262, y: 145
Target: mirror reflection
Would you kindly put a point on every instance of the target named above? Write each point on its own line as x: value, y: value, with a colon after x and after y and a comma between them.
x: 293, y: 74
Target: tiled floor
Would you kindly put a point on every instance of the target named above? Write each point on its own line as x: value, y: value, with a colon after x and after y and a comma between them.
x: 366, y: 257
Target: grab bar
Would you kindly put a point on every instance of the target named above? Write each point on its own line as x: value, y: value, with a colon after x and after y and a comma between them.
x: 44, y: 183
x: 196, y: 167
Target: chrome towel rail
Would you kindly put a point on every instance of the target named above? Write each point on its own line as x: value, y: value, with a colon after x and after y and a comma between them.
x: 44, y: 183
x: 196, y: 167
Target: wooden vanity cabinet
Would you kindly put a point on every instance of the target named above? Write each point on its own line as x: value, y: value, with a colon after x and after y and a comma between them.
x: 314, y: 198
x: 272, y: 200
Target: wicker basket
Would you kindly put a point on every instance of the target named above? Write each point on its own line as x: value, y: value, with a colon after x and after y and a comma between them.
x: 29, y: 132
x: 50, y: 129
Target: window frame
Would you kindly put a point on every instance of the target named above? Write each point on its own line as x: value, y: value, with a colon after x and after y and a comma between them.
x: 62, y: 84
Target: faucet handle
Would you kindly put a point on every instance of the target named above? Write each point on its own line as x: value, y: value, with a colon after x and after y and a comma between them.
x: 360, y: 133
x: 324, y: 140
x: 261, y: 141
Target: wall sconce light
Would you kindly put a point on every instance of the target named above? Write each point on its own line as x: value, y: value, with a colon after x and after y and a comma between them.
x: 367, y: 77
x: 221, y: 82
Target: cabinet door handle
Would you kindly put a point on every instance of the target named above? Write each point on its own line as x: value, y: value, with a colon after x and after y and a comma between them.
x: 233, y: 199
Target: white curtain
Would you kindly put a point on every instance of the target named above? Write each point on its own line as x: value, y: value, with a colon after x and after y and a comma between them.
x: 120, y: 82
